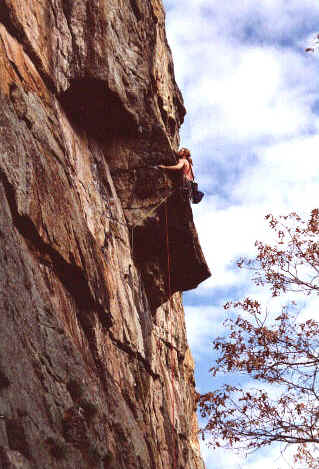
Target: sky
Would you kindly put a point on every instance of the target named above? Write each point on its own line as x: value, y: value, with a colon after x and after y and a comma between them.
x: 252, y: 99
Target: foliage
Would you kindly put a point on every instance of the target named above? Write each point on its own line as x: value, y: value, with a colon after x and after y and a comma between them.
x: 281, y: 354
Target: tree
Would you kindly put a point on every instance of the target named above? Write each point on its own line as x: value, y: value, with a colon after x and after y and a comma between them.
x: 277, y: 351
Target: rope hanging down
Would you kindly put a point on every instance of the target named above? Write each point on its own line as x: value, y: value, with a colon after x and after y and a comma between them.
x: 169, y: 289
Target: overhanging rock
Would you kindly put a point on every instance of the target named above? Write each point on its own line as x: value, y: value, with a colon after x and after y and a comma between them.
x: 165, y: 242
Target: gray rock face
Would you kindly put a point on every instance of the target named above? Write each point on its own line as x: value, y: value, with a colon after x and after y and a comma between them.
x: 95, y: 370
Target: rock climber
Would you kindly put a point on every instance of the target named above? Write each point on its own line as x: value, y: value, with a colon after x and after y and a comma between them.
x: 184, y: 165
x: 315, y: 46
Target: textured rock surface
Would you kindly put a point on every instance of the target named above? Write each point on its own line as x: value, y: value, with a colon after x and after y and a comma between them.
x: 95, y: 370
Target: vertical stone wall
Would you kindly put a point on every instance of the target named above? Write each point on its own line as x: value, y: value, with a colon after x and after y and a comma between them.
x: 95, y: 370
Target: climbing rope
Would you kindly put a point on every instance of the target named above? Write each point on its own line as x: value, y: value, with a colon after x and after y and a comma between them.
x: 153, y: 207
x: 134, y: 168
x: 169, y: 290
x: 131, y: 227
x: 117, y: 220
x: 126, y: 170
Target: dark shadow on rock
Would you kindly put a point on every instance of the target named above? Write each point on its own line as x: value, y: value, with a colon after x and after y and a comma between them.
x: 183, y: 259
x: 91, y: 106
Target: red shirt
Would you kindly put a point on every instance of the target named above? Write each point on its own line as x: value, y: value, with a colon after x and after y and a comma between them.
x: 187, y: 170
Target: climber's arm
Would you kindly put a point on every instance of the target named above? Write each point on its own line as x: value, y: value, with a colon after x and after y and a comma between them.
x: 175, y: 167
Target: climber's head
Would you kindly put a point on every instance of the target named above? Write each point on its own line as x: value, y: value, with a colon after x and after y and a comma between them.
x: 185, y: 153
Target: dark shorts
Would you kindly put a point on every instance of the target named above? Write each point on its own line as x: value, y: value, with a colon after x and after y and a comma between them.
x: 187, y: 189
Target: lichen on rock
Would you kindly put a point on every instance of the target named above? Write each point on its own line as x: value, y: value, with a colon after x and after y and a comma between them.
x: 95, y: 368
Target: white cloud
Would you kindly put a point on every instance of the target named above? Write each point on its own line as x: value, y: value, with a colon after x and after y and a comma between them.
x: 202, y: 324
x: 227, y: 234
x: 270, y: 18
x: 226, y: 459
x: 248, y: 93
x: 284, y: 178
x: 238, y: 89
x: 251, y: 94
x: 251, y: 101
x: 309, y: 310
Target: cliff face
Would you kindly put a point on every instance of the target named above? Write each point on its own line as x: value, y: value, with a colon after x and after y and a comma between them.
x: 95, y: 370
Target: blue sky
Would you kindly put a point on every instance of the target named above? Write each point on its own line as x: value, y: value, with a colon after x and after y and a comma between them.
x: 252, y: 96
